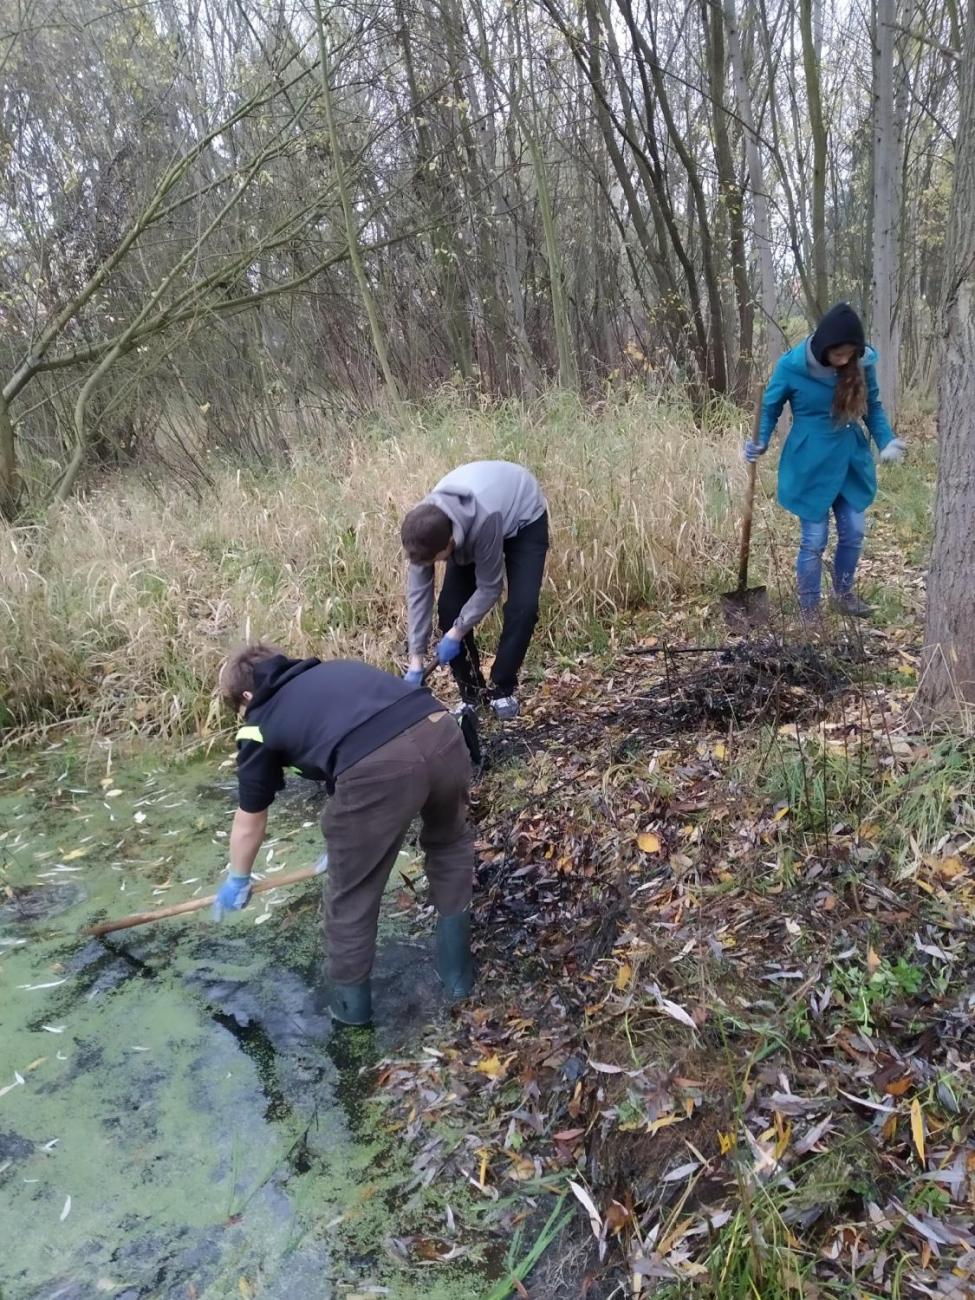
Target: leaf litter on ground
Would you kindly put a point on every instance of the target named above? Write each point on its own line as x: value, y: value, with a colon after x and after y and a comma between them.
x: 689, y: 988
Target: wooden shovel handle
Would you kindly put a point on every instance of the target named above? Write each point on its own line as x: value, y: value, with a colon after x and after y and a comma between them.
x: 195, y: 904
x: 746, y: 521
x: 746, y: 528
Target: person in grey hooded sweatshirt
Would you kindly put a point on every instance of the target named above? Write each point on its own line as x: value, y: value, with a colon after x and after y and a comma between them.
x: 487, y: 521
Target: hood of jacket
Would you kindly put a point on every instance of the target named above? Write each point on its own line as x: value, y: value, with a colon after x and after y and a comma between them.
x: 840, y: 325
x: 271, y: 674
x: 459, y: 507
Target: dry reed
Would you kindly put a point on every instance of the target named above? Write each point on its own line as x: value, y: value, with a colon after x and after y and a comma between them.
x: 119, y: 609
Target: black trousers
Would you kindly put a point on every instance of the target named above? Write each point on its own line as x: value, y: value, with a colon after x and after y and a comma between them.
x: 524, y: 564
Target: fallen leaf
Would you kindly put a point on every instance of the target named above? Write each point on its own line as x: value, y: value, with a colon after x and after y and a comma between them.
x: 491, y: 1066
x: 675, y: 1012
x: 587, y: 1203
x: 951, y: 867
x: 684, y: 1171
x: 624, y: 975
x: 648, y: 842
x: 917, y: 1128
x: 897, y: 1087
x: 75, y: 853
x: 873, y: 960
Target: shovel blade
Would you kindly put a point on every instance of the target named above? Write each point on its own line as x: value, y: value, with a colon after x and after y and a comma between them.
x: 747, y: 608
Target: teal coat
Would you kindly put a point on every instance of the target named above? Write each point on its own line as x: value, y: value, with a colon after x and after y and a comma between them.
x: 822, y: 460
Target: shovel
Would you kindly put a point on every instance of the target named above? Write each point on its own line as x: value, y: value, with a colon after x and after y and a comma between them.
x: 197, y: 904
x: 466, y: 720
x: 746, y: 606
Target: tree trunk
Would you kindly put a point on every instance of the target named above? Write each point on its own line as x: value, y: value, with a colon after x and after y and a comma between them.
x: 348, y: 212
x: 731, y: 196
x: 775, y: 341
x: 947, y: 688
x: 885, y: 329
x: 814, y: 102
x: 9, y: 481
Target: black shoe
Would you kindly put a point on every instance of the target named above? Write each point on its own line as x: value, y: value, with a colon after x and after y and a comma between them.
x: 351, y: 1004
x: 453, y: 949
x: 848, y: 602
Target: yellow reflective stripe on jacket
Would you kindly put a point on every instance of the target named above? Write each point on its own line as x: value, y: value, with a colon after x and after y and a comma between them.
x: 250, y: 733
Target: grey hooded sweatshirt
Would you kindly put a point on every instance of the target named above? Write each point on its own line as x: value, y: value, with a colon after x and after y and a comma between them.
x: 487, y: 502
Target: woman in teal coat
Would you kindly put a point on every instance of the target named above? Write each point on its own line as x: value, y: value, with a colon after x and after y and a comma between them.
x: 830, y: 381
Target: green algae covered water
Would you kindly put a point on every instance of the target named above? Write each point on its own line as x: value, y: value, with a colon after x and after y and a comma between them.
x: 176, y: 1117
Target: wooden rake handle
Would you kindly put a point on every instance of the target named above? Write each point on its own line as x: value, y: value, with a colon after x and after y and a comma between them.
x: 195, y: 904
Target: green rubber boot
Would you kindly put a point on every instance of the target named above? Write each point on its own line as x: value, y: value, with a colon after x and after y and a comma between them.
x: 351, y: 1004
x: 453, y: 949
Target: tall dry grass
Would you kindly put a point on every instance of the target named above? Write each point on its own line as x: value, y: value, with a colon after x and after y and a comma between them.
x: 119, y: 609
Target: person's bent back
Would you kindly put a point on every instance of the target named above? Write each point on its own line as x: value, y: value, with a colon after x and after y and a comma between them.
x: 488, y: 522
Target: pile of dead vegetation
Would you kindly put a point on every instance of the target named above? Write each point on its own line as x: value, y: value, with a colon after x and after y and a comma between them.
x: 725, y: 1001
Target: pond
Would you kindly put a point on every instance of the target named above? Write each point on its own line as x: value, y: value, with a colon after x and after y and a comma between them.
x: 176, y: 1117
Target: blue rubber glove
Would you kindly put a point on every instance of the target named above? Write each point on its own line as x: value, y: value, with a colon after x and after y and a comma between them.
x: 232, y: 895
x: 448, y: 650
x: 752, y: 450
x: 413, y: 677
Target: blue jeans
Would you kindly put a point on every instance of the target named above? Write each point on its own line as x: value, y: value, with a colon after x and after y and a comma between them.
x: 850, y: 528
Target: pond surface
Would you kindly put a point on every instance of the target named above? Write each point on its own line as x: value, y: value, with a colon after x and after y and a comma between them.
x: 176, y: 1117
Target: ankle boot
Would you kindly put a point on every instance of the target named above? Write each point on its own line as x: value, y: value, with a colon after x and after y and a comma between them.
x: 453, y: 954
x: 351, y: 1004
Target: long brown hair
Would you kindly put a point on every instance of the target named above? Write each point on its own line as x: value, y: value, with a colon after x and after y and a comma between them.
x: 850, y: 398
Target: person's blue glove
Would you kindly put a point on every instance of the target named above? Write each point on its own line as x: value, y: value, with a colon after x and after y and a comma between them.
x: 413, y: 677
x: 895, y: 450
x: 752, y: 450
x: 447, y: 650
x: 231, y: 896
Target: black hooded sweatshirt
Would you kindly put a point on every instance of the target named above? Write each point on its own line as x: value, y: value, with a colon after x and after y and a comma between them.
x: 840, y: 325
x: 319, y: 718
